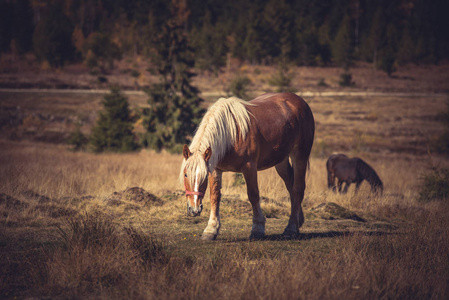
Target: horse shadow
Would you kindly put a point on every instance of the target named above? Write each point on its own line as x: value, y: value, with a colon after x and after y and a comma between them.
x: 323, y: 235
x: 317, y: 235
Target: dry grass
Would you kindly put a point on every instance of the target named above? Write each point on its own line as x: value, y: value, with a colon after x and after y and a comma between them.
x: 65, y: 234
x: 71, y: 246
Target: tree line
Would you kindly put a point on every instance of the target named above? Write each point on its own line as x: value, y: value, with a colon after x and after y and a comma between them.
x: 302, y: 32
x: 182, y: 35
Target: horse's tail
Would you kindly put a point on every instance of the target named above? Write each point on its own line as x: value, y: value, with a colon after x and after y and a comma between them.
x: 368, y: 173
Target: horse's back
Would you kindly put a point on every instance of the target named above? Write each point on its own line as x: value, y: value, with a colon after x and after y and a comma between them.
x: 286, y: 113
x: 336, y: 159
x: 342, y: 166
x: 281, y: 122
x: 286, y: 102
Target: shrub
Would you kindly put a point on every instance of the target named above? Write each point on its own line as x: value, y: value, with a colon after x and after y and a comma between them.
x: 135, y: 73
x: 239, y: 87
x: 434, y: 185
x: 346, y: 79
x: 282, y: 80
x: 77, y: 139
x: 387, y: 62
x: 321, y: 82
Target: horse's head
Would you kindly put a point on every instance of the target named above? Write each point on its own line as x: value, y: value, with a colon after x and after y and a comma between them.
x: 194, y: 175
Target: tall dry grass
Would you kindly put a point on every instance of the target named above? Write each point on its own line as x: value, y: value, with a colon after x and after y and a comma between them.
x: 57, y: 244
x: 352, y: 266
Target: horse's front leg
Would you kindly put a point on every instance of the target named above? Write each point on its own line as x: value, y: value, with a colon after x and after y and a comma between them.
x: 340, y: 184
x: 331, y: 181
x: 258, y: 229
x: 213, y: 226
x: 357, y: 186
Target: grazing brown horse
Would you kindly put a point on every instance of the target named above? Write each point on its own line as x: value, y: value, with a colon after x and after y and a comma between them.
x: 245, y: 137
x: 350, y: 170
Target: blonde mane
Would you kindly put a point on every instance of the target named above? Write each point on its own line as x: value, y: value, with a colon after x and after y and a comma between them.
x: 218, y: 130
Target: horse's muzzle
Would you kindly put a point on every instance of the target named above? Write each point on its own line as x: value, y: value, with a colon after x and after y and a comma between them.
x: 194, y: 212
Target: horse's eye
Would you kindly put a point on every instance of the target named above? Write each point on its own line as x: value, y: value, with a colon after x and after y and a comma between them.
x: 185, y: 175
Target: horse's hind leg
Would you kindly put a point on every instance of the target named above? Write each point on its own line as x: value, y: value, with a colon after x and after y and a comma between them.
x: 296, y: 196
x: 258, y: 229
x: 285, y: 171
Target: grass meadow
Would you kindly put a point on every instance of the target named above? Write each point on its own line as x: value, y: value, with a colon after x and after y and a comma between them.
x: 72, y: 229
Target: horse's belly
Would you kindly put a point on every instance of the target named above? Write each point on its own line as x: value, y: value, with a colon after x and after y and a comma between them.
x: 268, y: 159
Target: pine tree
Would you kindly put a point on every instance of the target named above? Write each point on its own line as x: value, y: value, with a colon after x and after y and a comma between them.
x: 101, y: 52
x: 77, y: 139
x: 279, y: 21
x: 342, y: 49
x: 52, y: 38
x: 253, y: 39
x: 387, y: 54
x: 113, y: 130
x: 210, y: 45
x: 406, y: 48
x: 175, y: 106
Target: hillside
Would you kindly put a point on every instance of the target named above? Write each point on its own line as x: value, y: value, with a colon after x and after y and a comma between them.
x: 26, y: 73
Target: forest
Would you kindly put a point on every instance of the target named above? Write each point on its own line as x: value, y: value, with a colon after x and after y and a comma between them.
x: 387, y: 33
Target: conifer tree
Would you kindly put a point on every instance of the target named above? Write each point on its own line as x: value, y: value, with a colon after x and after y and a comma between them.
x: 254, y: 36
x: 278, y: 19
x: 342, y: 48
x: 113, y: 130
x: 52, y: 38
x: 101, y: 52
x: 210, y: 45
x: 175, y: 106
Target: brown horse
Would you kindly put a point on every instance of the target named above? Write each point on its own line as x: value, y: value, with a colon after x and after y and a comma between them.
x: 245, y: 137
x: 350, y: 170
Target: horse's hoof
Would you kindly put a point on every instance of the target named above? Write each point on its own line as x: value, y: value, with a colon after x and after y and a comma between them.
x: 290, y: 235
x: 208, y: 237
x: 256, y: 236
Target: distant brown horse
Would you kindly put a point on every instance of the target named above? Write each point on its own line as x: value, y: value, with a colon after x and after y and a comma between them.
x: 245, y: 137
x: 351, y: 170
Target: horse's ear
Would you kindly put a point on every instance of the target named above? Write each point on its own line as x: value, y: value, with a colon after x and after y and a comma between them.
x: 186, y: 151
x: 207, y: 154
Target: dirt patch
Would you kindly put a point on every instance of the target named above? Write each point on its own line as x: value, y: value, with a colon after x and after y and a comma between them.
x: 333, y: 211
x: 133, y: 194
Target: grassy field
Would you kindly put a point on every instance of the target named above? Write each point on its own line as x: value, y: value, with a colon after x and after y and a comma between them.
x: 71, y: 227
